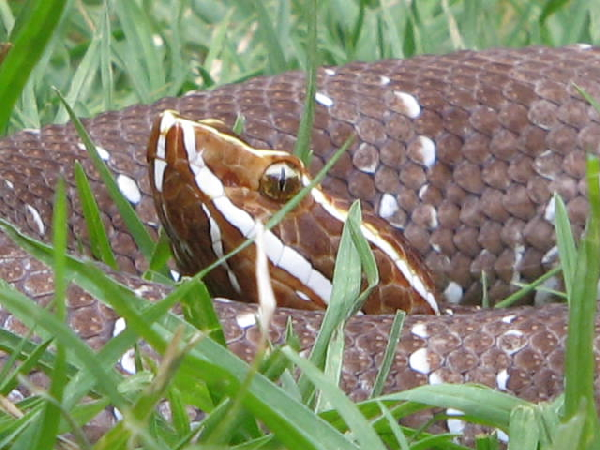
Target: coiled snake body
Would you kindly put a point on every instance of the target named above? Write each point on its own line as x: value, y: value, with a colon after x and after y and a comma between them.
x: 463, y: 152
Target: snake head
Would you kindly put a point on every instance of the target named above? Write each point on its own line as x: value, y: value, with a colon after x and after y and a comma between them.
x: 210, y: 187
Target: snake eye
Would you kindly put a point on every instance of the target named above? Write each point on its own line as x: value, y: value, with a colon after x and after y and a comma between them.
x: 280, y: 181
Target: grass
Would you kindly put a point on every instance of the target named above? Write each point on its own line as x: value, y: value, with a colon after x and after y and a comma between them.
x: 105, y: 55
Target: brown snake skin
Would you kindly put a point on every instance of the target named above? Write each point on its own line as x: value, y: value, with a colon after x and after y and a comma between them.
x: 462, y: 151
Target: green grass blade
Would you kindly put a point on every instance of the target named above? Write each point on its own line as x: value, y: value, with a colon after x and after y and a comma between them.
x: 292, y: 422
x: 99, y: 242
x: 390, y: 352
x: 140, y: 52
x: 106, y: 70
x: 479, y: 403
x: 580, y: 361
x: 270, y: 38
x: 29, y: 43
x: 83, y: 79
x: 354, y: 253
x: 524, y: 431
x: 361, y: 430
x: 302, y: 148
x: 565, y: 243
x: 52, y: 411
x: 134, y: 225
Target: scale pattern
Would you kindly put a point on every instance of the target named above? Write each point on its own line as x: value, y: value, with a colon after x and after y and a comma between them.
x: 463, y: 152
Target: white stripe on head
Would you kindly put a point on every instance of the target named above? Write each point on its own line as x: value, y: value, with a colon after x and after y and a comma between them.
x: 413, y: 278
x: 280, y: 255
x: 159, y: 173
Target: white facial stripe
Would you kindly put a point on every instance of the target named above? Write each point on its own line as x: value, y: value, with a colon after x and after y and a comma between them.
x: 320, y: 285
x: 274, y: 248
x: 159, y: 173
x: 215, y: 234
x: 279, y: 254
x: 235, y: 216
x: 216, y: 241
x: 189, y: 139
x: 160, y: 146
x: 167, y: 121
x: 211, y: 185
x: 372, y: 236
x: 233, y: 279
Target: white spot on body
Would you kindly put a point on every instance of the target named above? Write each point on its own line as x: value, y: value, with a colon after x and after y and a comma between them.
x: 502, y: 380
x: 435, y: 378
x: 420, y: 329
x: 323, y: 99
x: 245, y: 321
x: 127, y: 361
x: 383, y: 80
x: 584, y: 46
x: 419, y: 361
x: 37, y: 218
x: 509, y: 319
x: 426, y: 151
x: 511, y: 345
x: 502, y: 436
x: 550, y: 256
x: 329, y: 72
x: 34, y: 131
x: 103, y: 153
x: 15, y: 396
x: 431, y: 219
x: 455, y: 426
x: 175, y: 275
x: 517, y: 333
x: 550, y: 211
x: 519, y: 252
x: 142, y: 290
x: 388, y: 206
x: 9, y: 184
x: 544, y: 296
x: 129, y: 189
x: 117, y: 414
x: 412, y: 109
x: 120, y: 325
x: 453, y: 292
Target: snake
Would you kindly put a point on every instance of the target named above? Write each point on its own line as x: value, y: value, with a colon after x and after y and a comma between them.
x: 460, y: 153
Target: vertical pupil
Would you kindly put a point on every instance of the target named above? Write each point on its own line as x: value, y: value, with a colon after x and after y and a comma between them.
x: 282, y: 179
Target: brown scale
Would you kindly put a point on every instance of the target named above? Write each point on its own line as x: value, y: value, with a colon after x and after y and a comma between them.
x: 260, y: 185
